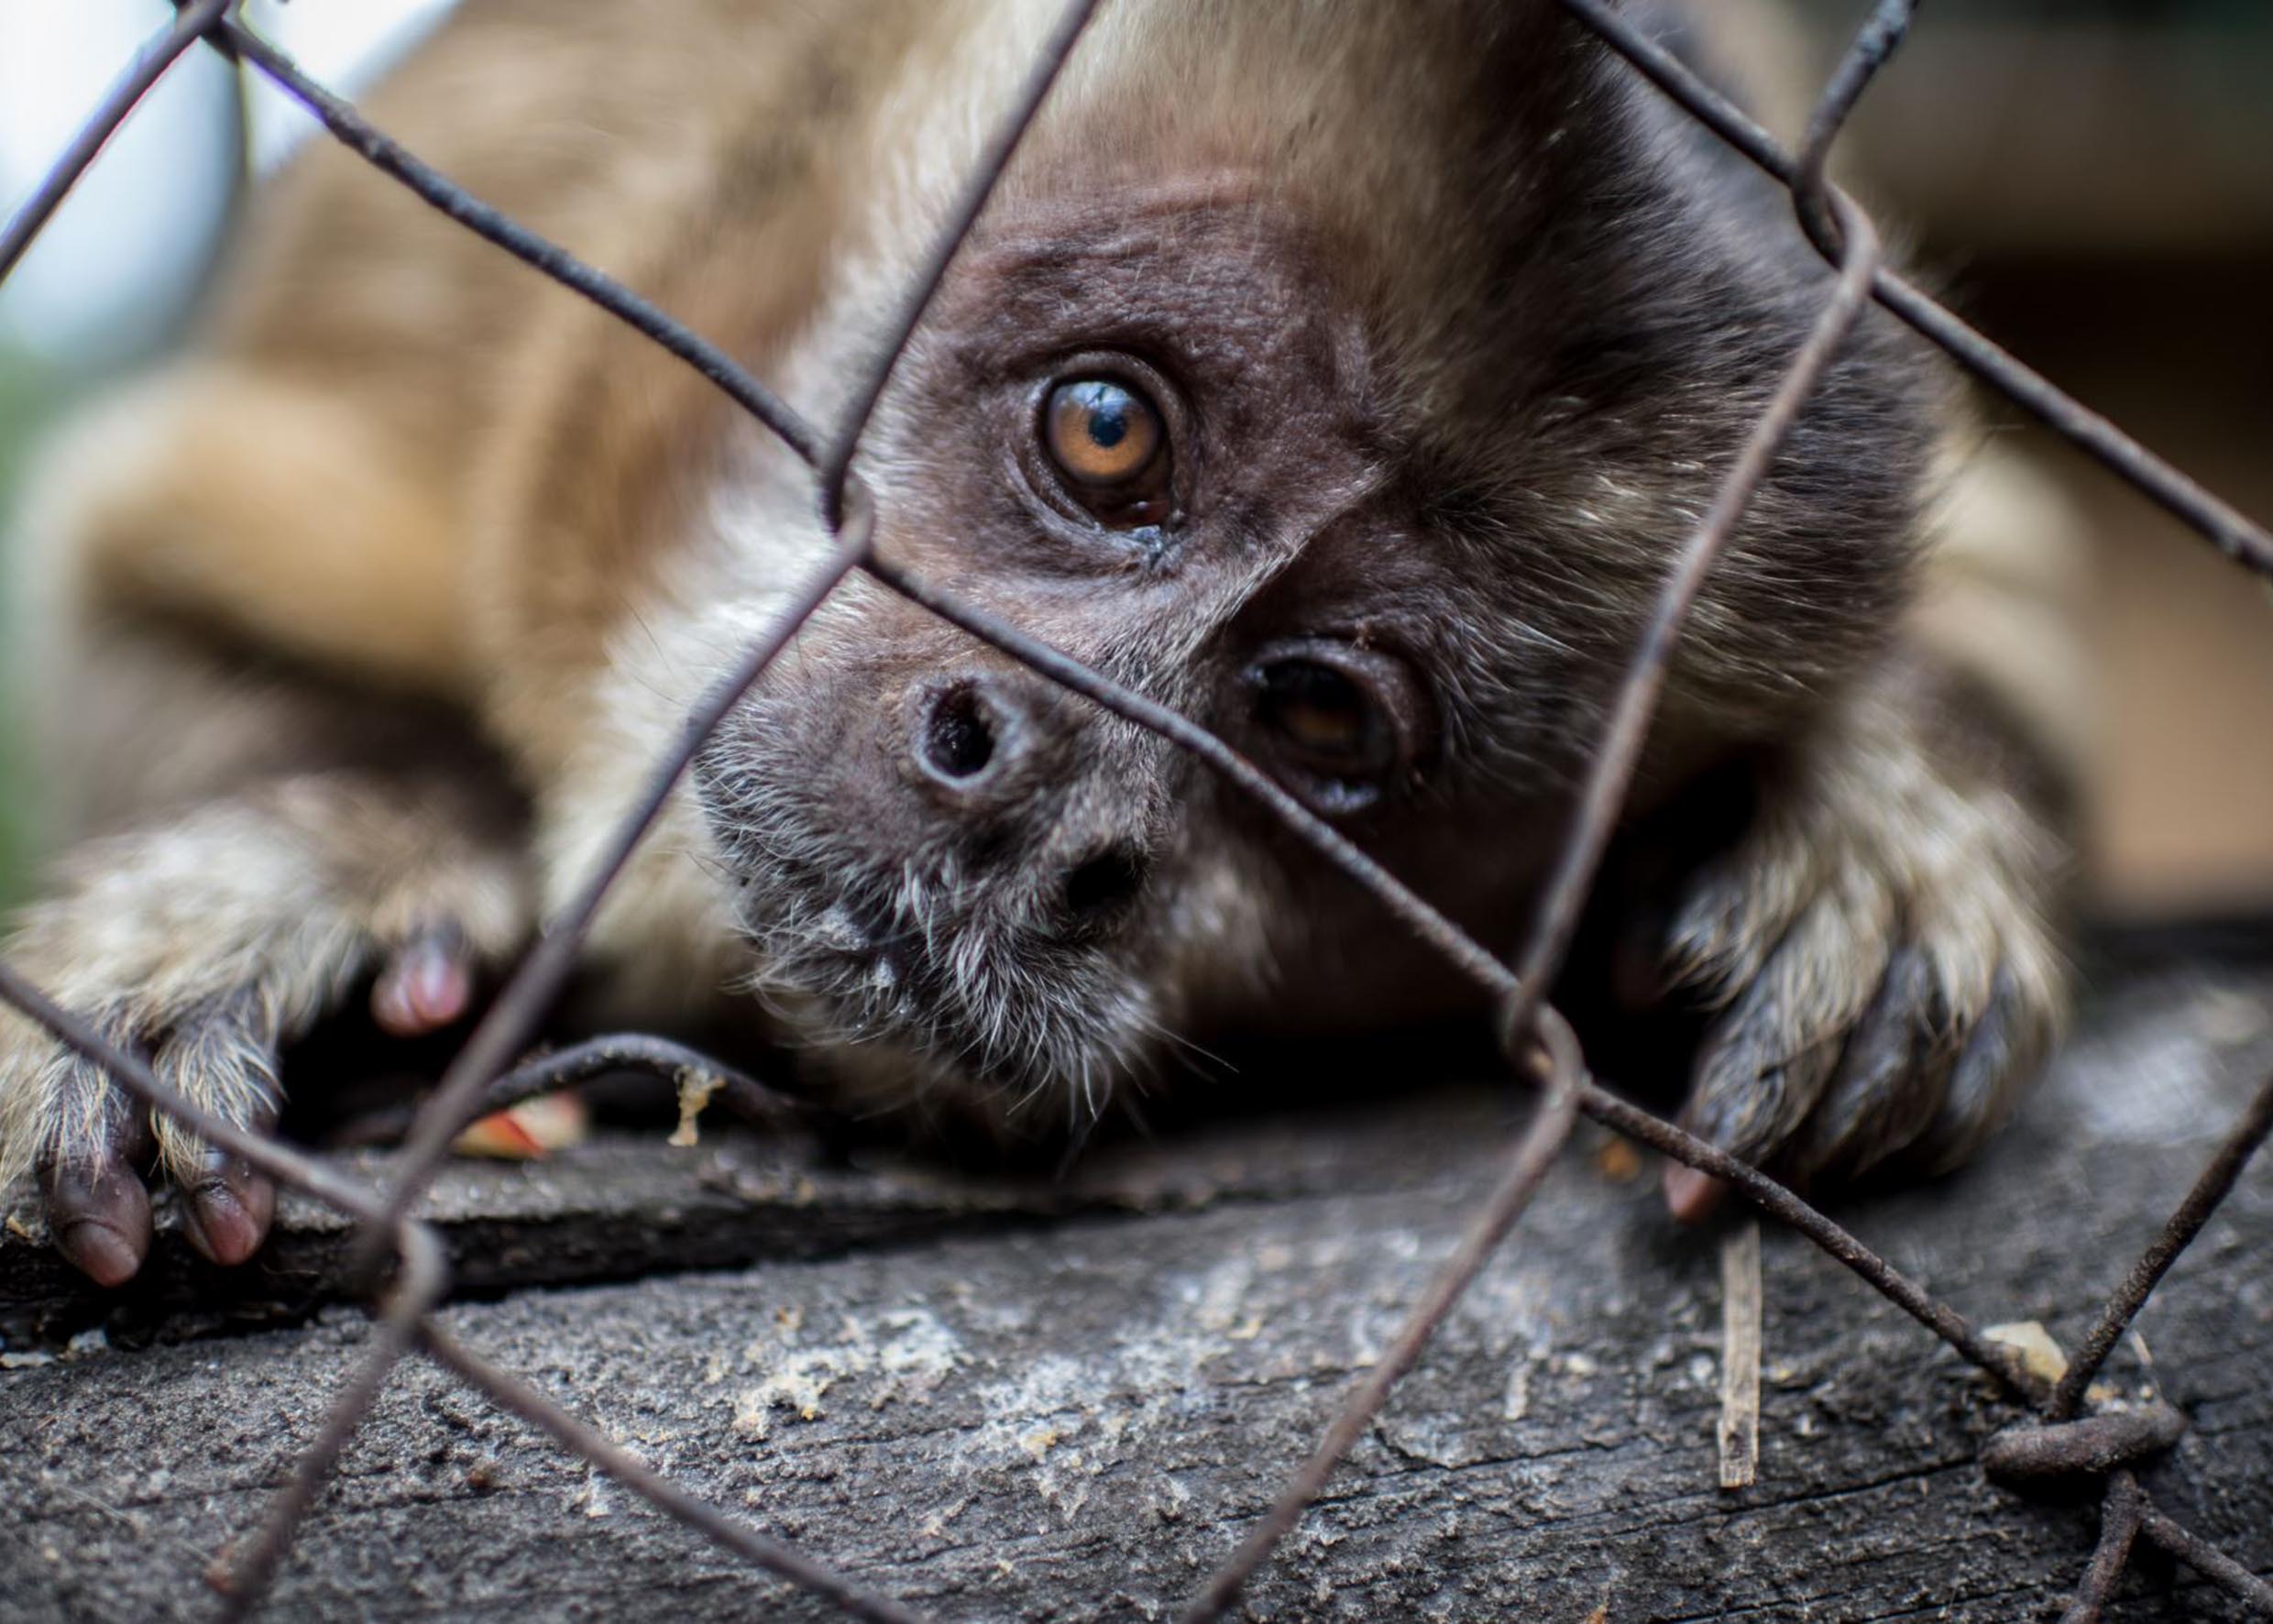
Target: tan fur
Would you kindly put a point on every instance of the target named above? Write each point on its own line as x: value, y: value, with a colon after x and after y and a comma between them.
x: 276, y: 513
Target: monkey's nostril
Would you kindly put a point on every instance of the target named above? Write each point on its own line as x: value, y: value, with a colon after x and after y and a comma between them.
x: 958, y: 741
x: 1103, y: 883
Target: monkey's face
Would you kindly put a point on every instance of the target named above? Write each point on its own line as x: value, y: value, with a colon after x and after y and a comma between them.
x: 1149, y: 436
x: 1368, y: 456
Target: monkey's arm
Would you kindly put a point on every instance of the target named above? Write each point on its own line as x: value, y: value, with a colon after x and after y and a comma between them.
x: 1881, y: 945
x: 254, y: 837
x: 317, y: 844
x: 274, y: 605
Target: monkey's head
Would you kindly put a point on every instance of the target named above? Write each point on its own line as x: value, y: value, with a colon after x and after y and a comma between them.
x: 1346, y: 376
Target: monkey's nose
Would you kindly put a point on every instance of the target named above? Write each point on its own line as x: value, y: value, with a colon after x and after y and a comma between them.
x: 1000, y: 760
x: 983, y: 742
x: 1099, y: 889
x: 955, y: 743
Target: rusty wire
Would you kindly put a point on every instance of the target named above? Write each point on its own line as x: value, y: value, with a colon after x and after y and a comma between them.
x: 1538, y: 1043
x: 2120, y: 1516
x: 2248, y: 1133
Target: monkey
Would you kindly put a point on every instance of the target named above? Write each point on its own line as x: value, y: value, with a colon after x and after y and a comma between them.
x: 1344, y: 377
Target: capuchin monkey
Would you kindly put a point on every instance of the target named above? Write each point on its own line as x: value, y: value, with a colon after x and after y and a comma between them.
x: 1343, y: 376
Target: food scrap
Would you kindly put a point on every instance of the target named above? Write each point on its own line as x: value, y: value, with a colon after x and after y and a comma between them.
x: 528, y: 1131
x: 695, y: 1091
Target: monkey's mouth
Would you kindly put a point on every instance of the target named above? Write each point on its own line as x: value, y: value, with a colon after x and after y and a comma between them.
x: 922, y: 967
x: 919, y: 996
x: 886, y: 951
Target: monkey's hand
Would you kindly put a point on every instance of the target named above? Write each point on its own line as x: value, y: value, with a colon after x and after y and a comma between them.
x: 1876, y: 950
x: 205, y: 943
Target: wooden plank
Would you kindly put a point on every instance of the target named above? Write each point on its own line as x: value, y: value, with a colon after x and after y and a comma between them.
x: 1068, y: 1415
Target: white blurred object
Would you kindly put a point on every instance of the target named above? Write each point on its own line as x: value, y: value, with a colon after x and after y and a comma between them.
x: 116, y: 264
x: 340, y: 43
x: 121, y: 259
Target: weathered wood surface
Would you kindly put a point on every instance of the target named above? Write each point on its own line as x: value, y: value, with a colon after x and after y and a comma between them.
x: 1013, y: 1403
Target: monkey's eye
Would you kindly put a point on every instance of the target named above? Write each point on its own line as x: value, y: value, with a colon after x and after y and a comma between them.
x: 1326, y: 718
x: 1110, y: 445
x: 1341, y: 721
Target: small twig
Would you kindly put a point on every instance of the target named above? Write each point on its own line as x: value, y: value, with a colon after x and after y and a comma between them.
x: 1752, y: 1185
x: 1741, y: 1313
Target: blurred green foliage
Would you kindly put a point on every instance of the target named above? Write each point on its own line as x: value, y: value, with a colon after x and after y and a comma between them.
x: 28, y: 394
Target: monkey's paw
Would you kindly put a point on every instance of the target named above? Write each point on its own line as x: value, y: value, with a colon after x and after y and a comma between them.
x: 1883, y: 978
x: 204, y: 948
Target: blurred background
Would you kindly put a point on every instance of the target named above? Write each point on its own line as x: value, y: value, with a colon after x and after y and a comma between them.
x: 113, y: 278
x: 2090, y: 180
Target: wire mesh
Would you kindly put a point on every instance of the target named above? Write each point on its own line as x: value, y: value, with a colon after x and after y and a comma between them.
x: 1538, y: 1043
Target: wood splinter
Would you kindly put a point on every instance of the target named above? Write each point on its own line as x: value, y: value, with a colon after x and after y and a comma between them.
x: 1739, y: 1356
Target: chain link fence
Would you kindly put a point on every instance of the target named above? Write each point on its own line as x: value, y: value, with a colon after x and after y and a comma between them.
x: 2065, y: 1442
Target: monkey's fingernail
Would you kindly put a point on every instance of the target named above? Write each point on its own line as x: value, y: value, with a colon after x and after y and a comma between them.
x: 1690, y: 1195
x: 101, y: 1218
x: 228, y: 1212
x: 424, y: 987
x: 99, y: 1252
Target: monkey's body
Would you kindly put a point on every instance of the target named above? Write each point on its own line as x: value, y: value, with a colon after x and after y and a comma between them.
x: 359, y: 629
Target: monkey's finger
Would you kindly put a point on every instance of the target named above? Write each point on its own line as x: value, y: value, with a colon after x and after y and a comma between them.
x: 1891, y: 1080
x: 1691, y: 1196
x: 1748, y: 1113
x: 230, y: 1207
x: 1747, y: 1107
x: 222, y: 1057
x: 1795, y: 955
x: 1768, y: 1059
x: 100, y: 1216
x: 425, y: 984
x: 2004, y: 1049
x: 98, y: 1210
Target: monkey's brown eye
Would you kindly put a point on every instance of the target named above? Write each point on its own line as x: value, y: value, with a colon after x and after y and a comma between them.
x: 1108, y: 442
x: 1325, y: 717
x: 1341, y: 721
